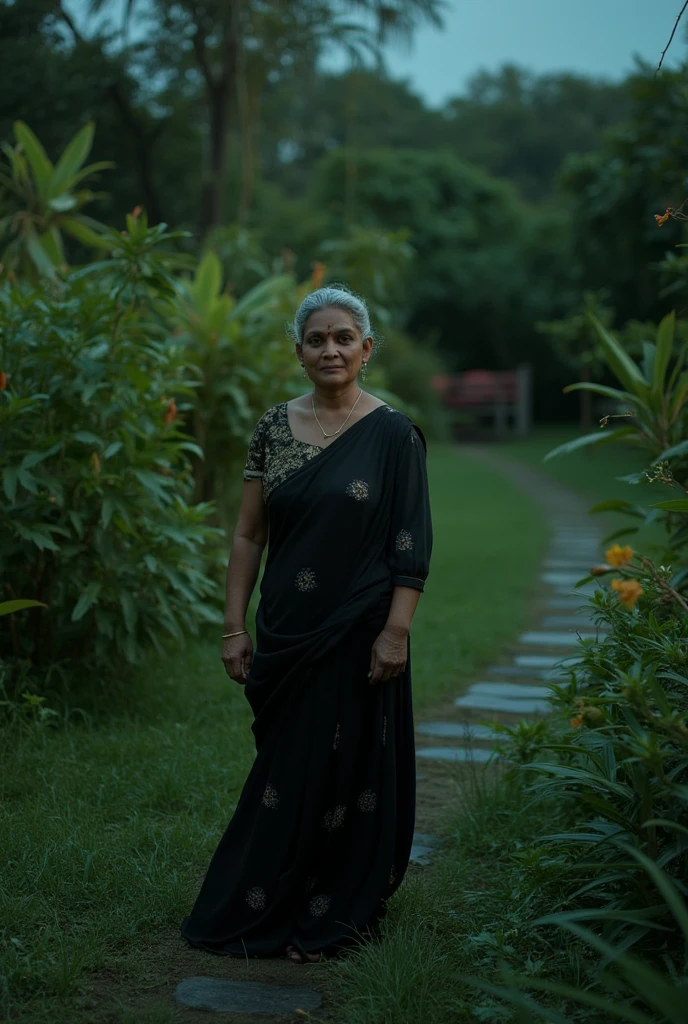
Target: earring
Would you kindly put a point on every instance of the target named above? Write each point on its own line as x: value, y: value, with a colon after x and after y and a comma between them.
x: 364, y: 370
x: 304, y: 374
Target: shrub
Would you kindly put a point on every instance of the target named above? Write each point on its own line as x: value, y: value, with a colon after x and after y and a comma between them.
x: 97, y: 521
x: 617, y: 760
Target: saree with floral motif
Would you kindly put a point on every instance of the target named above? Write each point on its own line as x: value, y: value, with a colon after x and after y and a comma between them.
x: 321, y: 835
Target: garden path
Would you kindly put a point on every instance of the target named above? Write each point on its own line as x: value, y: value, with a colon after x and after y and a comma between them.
x: 458, y: 737
x: 176, y: 983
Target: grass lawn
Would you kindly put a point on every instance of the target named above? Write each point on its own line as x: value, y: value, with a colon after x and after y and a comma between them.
x: 594, y: 473
x: 111, y: 815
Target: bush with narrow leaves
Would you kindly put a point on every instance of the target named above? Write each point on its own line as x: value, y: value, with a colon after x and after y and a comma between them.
x: 97, y: 519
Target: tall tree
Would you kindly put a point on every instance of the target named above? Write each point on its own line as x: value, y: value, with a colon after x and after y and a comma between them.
x: 234, y: 46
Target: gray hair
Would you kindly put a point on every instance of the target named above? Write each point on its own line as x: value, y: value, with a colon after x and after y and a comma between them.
x: 340, y: 297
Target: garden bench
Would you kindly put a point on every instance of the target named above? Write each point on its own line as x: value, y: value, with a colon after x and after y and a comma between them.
x: 505, y: 396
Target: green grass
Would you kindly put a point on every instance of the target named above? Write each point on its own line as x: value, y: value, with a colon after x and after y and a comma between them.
x: 464, y: 916
x: 594, y: 474
x: 111, y: 815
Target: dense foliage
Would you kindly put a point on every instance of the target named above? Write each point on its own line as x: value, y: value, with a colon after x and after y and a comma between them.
x: 615, y: 762
x: 242, y: 137
x: 97, y: 519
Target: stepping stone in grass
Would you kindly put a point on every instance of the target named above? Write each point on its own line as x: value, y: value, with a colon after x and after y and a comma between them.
x: 552, y: 639
x: 572, y: 622
x: 428, y: 839
x: 544, y: 660
x: 519, y: 672
x: 512, y: 691
x: 487, y: 702
x: 225, y: 996
x: 568, y: 601
x: 421, y: 855
x: 456, y: 730
x: 581, y: 565
x: 477, y: 754
x: 562, y: 579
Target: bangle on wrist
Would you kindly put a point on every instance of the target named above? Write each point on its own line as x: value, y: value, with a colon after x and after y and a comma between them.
x: 237, y: 633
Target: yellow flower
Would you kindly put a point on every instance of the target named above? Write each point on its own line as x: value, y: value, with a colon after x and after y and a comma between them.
x: 618, y: 556
x: 629, y: 591
x: 576, y: 722
x: 663, y: 218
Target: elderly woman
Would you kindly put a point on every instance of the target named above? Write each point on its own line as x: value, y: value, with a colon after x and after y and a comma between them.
x: 321, y: 835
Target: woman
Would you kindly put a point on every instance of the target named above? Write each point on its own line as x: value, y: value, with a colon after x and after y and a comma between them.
x: 322, y: 832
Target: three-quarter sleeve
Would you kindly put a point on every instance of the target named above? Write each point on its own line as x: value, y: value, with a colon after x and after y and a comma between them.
x: 255, y: 459
x: 410, y: 538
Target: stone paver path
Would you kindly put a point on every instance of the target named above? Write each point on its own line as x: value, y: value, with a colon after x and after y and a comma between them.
x: 459, y: 733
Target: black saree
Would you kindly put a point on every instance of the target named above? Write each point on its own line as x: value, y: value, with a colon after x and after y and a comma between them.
x: 321, y: 835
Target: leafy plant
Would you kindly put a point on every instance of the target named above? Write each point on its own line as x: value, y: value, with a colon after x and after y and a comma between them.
x: 45, y: 201
x: 622, y: 986
x: 97, y: 520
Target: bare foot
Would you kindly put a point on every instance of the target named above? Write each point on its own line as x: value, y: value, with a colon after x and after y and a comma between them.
x: 295, y: 956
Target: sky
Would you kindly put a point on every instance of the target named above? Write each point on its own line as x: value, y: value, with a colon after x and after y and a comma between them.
x: 594, y: 37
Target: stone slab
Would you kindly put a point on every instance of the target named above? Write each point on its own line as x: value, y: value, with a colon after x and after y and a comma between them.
x: 428, y: 839
x: 477, y: 754
x: 456, y: 730
x: 572, y: 622
x: 552, y: 639
x: 562, y: 579
x: 568, y: 565
x: 421, y: 855
x: 544, y: 661
x: 512, y: 691
x: 561, y: 601
x: 519, y: 672
x: 225, y: 996
x: 486, y: 702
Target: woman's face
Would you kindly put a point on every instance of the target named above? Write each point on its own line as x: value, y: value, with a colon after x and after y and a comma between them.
x: 332, y: 349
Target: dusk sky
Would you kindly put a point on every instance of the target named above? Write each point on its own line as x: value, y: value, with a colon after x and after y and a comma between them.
x: 594, y: 37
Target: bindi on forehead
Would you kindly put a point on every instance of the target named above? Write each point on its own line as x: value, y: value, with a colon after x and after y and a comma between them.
x: 331, y: 329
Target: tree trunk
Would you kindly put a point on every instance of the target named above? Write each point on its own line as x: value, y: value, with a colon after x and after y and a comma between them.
x: 248, y: 106
x: 143, y: 147
x: 212, y: 199
x: 219, y: 91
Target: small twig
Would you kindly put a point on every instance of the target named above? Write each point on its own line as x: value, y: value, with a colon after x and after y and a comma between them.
x: 673, y: 33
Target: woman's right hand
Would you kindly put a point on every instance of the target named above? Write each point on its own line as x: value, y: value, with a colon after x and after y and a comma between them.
x: 237, y: 652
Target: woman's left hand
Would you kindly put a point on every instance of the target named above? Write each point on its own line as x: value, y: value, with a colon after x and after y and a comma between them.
x: 388, y: 655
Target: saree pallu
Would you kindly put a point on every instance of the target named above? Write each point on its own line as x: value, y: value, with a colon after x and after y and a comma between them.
x: 322, y: 832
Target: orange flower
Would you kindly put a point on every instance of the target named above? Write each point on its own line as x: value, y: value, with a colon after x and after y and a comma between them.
x: 170, y: 412
x: 618, y: 556
x: 136, y: 212
x: 318, y: 274
x: 663, y: 218
x: 576, y: 722
x: 3, y: 380
x: 629, y: 591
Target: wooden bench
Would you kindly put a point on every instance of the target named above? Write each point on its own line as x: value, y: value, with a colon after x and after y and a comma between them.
x: 503, y: 395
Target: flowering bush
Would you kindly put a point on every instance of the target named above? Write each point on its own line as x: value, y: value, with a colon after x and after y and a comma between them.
x: 615, y: 758
x: 96, y: 520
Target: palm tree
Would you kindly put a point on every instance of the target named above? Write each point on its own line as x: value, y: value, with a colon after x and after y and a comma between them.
x: 235, y: 44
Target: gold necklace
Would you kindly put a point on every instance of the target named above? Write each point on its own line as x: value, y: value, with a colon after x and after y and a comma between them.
x: 343, y: 424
